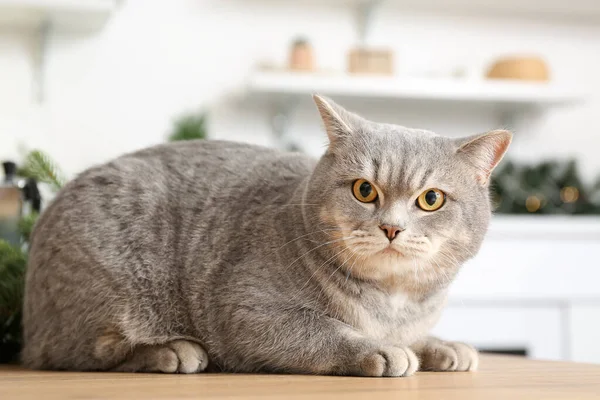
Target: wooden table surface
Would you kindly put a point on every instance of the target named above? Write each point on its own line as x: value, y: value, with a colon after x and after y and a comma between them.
x: 499, y: 377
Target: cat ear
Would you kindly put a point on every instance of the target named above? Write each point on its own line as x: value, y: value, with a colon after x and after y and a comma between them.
x: 338, y: 122
x: 484, y: 152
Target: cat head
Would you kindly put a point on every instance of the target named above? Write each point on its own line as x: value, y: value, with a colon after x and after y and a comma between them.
x: 398, y: 202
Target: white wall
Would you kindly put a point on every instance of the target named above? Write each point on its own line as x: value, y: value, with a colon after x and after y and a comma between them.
x: 120, y: 89
x: 15, y: 90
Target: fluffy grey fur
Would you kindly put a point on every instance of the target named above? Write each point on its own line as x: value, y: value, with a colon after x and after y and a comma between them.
x: 223, y: 256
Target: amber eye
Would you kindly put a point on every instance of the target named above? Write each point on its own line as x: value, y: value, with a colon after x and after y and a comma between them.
x: 364, y: 191
x: 431, y: 200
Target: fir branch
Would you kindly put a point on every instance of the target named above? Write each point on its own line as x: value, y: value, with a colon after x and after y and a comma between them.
x: 13, y: 262
x: 12, y: 273
x: 26, y: 225
x: 189, y: 127
x: 42, y: 168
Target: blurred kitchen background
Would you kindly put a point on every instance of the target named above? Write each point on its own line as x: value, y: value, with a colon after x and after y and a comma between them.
x: 87, y: 80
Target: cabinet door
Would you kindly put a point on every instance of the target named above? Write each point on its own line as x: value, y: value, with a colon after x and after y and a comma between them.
x: 538, y: 269
x: 538, y: 330
x: 584, y: 329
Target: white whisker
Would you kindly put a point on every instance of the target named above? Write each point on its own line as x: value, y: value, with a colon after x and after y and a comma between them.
x: 333, y: 273
x: 321, y: 266
x: 315, y: 248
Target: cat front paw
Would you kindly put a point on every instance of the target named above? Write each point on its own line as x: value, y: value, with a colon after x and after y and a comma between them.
x: 178, y: 356
x: 449, y: 356
x: 191, y: 357
x: 388, y: 361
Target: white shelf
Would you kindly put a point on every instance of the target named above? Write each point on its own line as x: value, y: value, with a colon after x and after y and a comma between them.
x: 583, y: 10
x: 64, y: 15
x: 507, y: 95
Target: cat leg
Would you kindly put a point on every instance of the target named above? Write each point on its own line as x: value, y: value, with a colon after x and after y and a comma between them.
x: 181, y: 356
x: 304, y: 341
x: 439, y: 355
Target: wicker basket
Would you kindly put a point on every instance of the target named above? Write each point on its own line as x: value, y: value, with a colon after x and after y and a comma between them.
x: 521, y: 68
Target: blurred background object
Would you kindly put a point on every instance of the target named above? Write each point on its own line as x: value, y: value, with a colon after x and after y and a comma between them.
x: 370, y: 61
x: 19, y: 196
x: 88, y: 80
x: 550, y: 187
x: 190, y: 126
x: 524, y: 68
x: 11, y: 201
x: 302, y: 57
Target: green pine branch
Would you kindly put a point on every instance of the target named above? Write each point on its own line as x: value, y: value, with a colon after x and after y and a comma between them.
x: 12, y: 287
x: 189, y: 127
x: 42, y: 168
x: 26, y: 225
x: 13, y: 259
x: 12, y: 271
x: 551, y: 187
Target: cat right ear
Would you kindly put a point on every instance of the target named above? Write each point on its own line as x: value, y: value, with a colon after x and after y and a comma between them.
x: 484, y: 152
x: 339, y: 123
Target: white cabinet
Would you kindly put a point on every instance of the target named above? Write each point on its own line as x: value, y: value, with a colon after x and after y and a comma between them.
x: 538, y: 258
x: 536, y: 329
x: 584, y: 332
x: 535, y: 286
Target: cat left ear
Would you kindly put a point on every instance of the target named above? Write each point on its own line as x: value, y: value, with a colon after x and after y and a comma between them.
x: 484, y: 152
x: 339, y: 123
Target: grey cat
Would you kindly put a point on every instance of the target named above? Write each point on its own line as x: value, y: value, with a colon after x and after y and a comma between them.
x: 211, y: 255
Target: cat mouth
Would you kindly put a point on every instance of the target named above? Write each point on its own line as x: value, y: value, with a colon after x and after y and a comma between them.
x: 392, y: 251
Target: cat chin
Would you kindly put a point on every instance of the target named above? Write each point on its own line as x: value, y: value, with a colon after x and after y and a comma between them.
x: 391, y: 251
x: 385, y: 263
x: 411, y: 275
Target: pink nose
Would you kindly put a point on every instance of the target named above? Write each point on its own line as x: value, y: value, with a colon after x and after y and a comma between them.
x: 391, y: 231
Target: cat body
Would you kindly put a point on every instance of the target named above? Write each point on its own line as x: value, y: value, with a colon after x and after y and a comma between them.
x: 219, y: 255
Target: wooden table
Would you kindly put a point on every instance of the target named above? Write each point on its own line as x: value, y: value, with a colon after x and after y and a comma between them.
x: 499, y: 378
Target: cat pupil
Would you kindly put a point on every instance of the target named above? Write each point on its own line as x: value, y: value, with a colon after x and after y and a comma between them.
x: 365, y: 189
x: 430, y: 197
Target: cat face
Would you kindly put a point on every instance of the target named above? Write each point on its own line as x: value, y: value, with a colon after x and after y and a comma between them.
x: 401, y: 202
